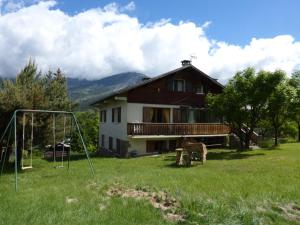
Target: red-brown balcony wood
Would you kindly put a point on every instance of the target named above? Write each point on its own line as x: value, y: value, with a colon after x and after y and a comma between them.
x: 177, y: 129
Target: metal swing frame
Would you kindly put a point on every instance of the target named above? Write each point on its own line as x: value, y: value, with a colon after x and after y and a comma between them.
x: 24, y: 167
x: 12, y: 128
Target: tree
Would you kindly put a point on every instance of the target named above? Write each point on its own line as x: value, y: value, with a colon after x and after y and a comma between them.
x: 279, y: 103
x: 89, y: 126
x: 295, y: 106
x: 31, y: 90
x: 229, y: 104
x: 56, y: 91
x: 243, y: 100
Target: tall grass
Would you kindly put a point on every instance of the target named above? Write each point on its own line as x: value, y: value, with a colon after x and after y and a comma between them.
x: 231, y: 188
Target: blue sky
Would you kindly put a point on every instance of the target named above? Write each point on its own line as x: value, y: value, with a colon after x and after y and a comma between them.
x: 234, y: 21
x: 97, y: 38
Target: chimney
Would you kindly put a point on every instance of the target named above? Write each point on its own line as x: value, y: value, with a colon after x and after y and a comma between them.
x: 186, y: 62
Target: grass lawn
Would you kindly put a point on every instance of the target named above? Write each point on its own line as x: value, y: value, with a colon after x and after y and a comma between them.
x: 254, y: 187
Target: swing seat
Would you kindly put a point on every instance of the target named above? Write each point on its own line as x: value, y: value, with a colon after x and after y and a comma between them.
x: 59, y: 167
x: 25, y: 154
x: 26, y: 167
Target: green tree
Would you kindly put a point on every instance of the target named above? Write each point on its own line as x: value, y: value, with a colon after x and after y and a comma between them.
x: 243, y: 101
x: 31, y: 90
x: 56, y: 91
x: 229, y: 104
x: 295, y: 106
x: 278, y: 105
x: 89, y: 126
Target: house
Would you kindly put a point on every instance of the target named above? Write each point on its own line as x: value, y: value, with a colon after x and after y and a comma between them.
x: 151, y: 116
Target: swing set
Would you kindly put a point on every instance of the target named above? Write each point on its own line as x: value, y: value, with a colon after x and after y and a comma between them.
x: 26, y: 154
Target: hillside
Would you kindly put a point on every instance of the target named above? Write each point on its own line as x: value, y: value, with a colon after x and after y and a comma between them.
x: 85, y: 92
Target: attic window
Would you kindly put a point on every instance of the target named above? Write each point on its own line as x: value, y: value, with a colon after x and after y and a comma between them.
x: 179, y: 85
x: 200, y: 89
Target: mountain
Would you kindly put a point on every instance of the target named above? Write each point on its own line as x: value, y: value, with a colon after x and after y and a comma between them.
x: 85, y: 92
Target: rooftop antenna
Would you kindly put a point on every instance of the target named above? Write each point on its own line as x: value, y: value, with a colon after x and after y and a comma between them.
x: 192, y: 57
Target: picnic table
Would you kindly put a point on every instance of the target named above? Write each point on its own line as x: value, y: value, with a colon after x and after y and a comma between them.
x: 191, y: 151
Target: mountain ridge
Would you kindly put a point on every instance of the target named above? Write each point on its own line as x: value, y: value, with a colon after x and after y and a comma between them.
x: 84, y: 92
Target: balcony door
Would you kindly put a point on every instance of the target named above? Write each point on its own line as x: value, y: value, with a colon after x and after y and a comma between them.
x: 193, y: 115
x: 156, y: 115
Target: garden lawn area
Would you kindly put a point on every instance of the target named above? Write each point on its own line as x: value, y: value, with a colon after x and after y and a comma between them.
x: 253, y: 187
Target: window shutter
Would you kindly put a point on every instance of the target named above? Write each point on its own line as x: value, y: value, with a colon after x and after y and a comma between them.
x: 119, y: 115
x: 113, y: 115
x: 110, y: 144
x: 184, y: 114
x: 176, y: 116
x: 189, y: 86
x: 170, y: 84
x: 146, y: 114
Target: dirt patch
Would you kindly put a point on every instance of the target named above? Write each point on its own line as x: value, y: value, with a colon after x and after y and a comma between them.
x: 291, y: 211
x: 160, y: 200
x: 93, y: 186
x: 174, y: 217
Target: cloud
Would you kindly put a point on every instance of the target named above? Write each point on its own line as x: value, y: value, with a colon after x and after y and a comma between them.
x: 129, y: 7
x: 7, y: 6
x: 104, y: 41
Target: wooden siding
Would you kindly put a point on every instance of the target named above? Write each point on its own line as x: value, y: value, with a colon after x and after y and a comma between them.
x: 161, y: 90
x: 177, y: 129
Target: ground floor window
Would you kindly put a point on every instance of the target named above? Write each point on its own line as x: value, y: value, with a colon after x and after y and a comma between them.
x: 102, y: 140
x: 118, y: 145
x: 110, y: 143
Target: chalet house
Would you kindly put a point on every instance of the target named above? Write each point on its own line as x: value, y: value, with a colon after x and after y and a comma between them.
x: 151, y: 116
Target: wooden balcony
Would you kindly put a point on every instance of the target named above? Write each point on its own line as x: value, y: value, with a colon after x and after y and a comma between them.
x: 177, y: 129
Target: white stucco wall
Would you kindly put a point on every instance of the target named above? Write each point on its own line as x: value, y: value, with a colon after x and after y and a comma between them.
x: 138, y: 145
x: 110, y: 129
x: 130, y: 113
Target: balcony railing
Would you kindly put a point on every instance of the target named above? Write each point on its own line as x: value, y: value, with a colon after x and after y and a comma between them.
x: 177, y: 129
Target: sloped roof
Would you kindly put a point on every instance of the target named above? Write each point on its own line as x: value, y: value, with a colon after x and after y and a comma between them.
x: 126, y: 89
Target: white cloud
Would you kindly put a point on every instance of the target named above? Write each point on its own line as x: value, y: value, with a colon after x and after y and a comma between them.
x: 206, y: 24
x: 100, y: 42
x: 7, y: 6
x: 129, y: 7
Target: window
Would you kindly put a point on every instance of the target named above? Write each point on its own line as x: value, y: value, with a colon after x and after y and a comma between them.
x: 156, y: 115
x: 102, y: 140
x: 118, y: 145
x: 119, y: 114
x: 200, y: 89
x: 179, y: 85
x: 103, y: 116
x: 116, y: 115
x: 113, y: 115
x: 188, y: 115
x: 110, y: 143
